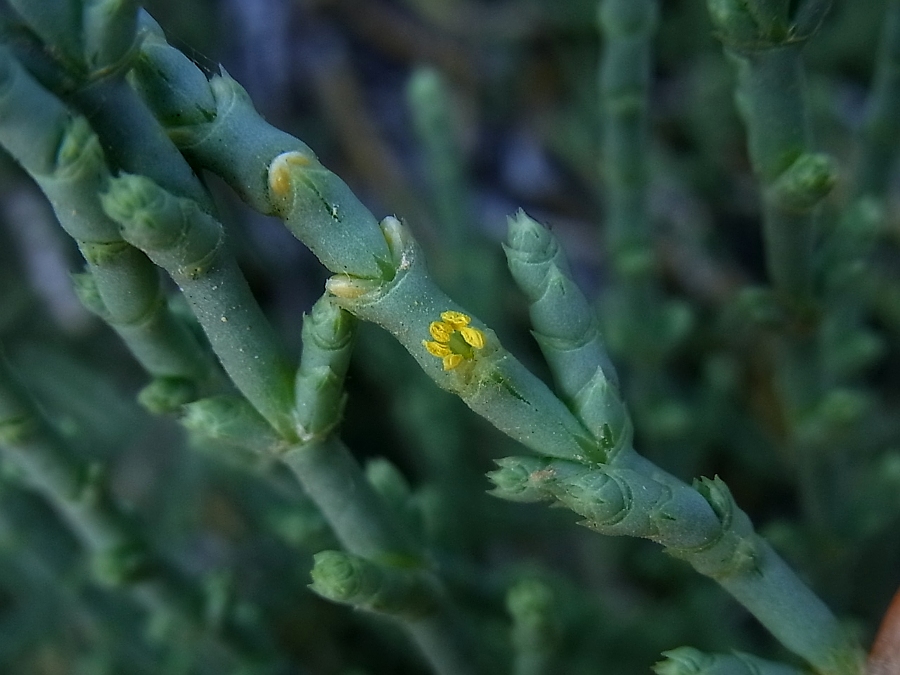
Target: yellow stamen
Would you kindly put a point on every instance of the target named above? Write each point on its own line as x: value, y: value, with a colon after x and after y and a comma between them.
x: 454, y: 339
x: 451, y: 361
x: 456, y: 319
x: 437, y: 349
x: 440, y: 331
x: 472, y: 336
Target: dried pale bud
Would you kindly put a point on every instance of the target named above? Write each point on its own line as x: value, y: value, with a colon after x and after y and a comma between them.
x: 280, y: 175
x: 350, y: 288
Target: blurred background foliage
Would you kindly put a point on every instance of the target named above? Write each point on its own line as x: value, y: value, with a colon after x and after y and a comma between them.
x: 521, y: 80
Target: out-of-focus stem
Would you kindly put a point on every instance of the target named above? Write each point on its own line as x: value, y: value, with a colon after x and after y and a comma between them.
x: 882, y: 125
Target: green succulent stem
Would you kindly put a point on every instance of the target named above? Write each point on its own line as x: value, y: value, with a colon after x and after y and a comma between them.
x: 163, y: 217
x: 431, y: 107
x: 110, y: 32
x: 63, y: 155
x: 86, y: 67
x: 690, y: 661
x: 321, y: 462
x: 770, y: 98
x: 58, y: 24
x: 231, y: 420
x: 624, y: 85
x: 492, y: 382
x: 536, y: 630
x: 793, y: 178
x: 120, y: 556
x: 274, y: 172
x: 33, y: 120
x: 383, y: 569
x: 564, y: 323
x: 627, y: 29
x: 121, y: 176
x: 765, y: 44
x: 701, y: 525
x: 189, y: 244
x: 36, y: 448
x: 364, y: 525
x: 401, y: 297
x: 134, y: 141
x: 882, y: 125
x: 359, y: 582
x: 380, y: 276
x: 567, y: 331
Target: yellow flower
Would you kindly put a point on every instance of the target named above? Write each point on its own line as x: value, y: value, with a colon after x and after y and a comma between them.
x: 454, y: 339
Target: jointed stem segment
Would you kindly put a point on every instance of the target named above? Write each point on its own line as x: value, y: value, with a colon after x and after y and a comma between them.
x: 582, y: 435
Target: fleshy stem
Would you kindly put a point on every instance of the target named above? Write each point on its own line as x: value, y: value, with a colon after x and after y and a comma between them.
x: 627, y: 27
x: 627, y: 494
x: 177, y: 232
x: 430, y: 105
x: 765, y: 42
x: 640, y: 322
x: 190, y: 245
x: 690, y: 661
x: 848, y: 270
x: 380, y: 277
x: 536, y: 631
x: 319, y: 459
x: 567, y: 332
x: 380, y: 274
x: 566, y: 328
x: 459, y: 258
x: 882, y: 125
x: 765, y: 46
x: 231, y: 139
x: 163, y: 217
x: 93, y: 46
x: 701, y: 525
x: 119, y: 555
x: 63, y: 155
x: 383, y: 570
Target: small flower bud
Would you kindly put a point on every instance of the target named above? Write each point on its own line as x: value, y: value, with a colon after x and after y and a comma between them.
x: 355, y: 581
x: 805, y: 182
